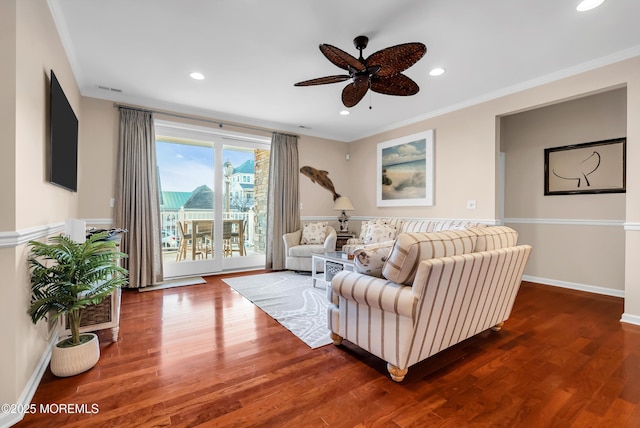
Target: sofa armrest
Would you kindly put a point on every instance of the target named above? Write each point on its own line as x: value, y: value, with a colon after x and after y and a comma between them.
x: 291, y: 240
x: 330, y: 240
x: 374, y: 292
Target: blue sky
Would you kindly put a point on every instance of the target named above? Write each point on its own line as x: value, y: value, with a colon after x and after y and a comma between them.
x: 184, y: 167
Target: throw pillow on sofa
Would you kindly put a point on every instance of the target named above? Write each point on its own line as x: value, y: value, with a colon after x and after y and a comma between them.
x: 380, y: 233
x: 314, y: 233
x: 370, y: 259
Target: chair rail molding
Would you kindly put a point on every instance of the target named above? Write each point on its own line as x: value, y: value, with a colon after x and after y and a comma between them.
x: 631, y: 226
x: 567, y: 221
x: 22, y: 236
x: 489, y: 222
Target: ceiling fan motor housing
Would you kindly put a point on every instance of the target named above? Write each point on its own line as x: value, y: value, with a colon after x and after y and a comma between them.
x: 361, y: 43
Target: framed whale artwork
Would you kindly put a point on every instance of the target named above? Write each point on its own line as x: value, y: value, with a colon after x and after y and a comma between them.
x: 597, y: 167
x: 405, y: 171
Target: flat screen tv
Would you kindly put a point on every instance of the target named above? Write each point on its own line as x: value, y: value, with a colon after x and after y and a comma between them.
x: 63, y: 148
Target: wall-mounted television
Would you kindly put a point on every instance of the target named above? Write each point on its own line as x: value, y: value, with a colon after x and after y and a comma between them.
x: 63, y: 142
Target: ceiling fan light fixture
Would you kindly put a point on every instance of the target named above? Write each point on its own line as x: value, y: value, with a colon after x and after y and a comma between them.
x: 345, y: 112
x: 197, y: 76
x: 586, y: 5
x: 438, y: 71
x: 381, y: 71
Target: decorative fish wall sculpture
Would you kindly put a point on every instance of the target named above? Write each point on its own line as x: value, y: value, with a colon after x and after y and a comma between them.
x: 321, y: 178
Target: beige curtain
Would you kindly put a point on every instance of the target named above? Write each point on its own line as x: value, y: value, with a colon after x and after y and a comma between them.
x: 283, y: 204
x: 137, y: 206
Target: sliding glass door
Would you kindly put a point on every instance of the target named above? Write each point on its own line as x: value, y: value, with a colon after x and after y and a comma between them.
x: 212, y: 199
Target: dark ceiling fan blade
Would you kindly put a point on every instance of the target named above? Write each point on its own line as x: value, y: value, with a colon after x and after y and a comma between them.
x: 396, y: 59
x: 341, y: 58
x: 353, y: 93
x: 324, y: 80
x: 398, y: 84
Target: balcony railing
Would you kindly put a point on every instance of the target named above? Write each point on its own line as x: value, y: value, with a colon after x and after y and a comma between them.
x: 170, y: 218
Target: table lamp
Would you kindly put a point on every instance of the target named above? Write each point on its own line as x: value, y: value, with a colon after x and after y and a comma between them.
x: 343, y: 204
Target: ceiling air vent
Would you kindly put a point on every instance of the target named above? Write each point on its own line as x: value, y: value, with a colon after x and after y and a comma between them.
x: 106, y: 88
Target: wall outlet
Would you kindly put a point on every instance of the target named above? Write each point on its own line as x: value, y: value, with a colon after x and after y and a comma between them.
x: 112, y: 202
x: 471, y: 204
x: 300, y: 206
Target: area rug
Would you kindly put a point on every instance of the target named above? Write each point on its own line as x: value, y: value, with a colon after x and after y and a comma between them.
x: 290, y: 299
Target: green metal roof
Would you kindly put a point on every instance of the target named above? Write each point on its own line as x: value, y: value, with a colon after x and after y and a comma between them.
x: 247, y: 167
x: 173, y: 200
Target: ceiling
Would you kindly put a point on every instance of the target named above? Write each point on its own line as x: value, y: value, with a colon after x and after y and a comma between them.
x: 252, y: 52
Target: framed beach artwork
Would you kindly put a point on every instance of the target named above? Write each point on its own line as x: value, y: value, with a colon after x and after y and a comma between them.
x: 405, y: 171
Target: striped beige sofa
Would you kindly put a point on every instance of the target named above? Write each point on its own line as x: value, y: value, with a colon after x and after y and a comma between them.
x: 437, y: 290
x: 397, y: 226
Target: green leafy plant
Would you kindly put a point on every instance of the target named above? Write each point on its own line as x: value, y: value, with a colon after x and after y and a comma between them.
x: 67, y: 276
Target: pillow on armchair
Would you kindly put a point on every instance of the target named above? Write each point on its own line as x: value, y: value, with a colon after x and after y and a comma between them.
x: 314, y: 233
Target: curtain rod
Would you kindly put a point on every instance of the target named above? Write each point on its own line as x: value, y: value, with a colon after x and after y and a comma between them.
x: 188, y: 117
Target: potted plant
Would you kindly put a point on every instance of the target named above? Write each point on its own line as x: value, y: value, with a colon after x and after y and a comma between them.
x: 67, y: 276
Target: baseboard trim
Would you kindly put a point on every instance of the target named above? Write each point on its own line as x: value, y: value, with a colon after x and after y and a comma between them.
x: 575, y: 286
x: 630, y: 319
x: 23, y: 402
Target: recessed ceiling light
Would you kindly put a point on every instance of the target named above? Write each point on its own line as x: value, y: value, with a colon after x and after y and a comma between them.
x: 439, y: 71
x: 586, y: 5
x: 344, y: 112
x: 197, y: 76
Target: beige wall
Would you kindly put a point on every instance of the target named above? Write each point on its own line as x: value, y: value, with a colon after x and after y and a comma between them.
x: 39, y: 50
x: 324, y: 155
x: 97, y: 159
x: 30, y: 47
x: 8, y: 112
x: 577, y: 238
x: 466, y: 158
x: 467, y: 166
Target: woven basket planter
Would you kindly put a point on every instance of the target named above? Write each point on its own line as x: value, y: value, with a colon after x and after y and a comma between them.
x: 76, y: 359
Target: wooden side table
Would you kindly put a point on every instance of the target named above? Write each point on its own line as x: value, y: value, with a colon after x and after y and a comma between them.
x: 342, y: 239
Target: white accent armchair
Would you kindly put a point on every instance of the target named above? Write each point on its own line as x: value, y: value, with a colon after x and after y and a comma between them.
x: 298, y: 255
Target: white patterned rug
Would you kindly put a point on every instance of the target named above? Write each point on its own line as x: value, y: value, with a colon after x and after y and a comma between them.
x: 290, y: 299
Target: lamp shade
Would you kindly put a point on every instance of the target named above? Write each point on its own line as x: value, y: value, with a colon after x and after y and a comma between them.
x: 343, y: 204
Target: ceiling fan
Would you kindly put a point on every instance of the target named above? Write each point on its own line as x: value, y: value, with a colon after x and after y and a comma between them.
x: 381, y: 72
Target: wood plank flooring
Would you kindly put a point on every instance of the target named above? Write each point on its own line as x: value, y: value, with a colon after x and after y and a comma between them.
x: 202, y: 355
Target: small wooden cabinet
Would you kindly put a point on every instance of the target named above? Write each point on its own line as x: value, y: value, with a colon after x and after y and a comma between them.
x: 342, y: 239
x: 99, y: 317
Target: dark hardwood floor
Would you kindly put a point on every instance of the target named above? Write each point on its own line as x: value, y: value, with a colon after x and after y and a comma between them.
x: 203, y: 355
